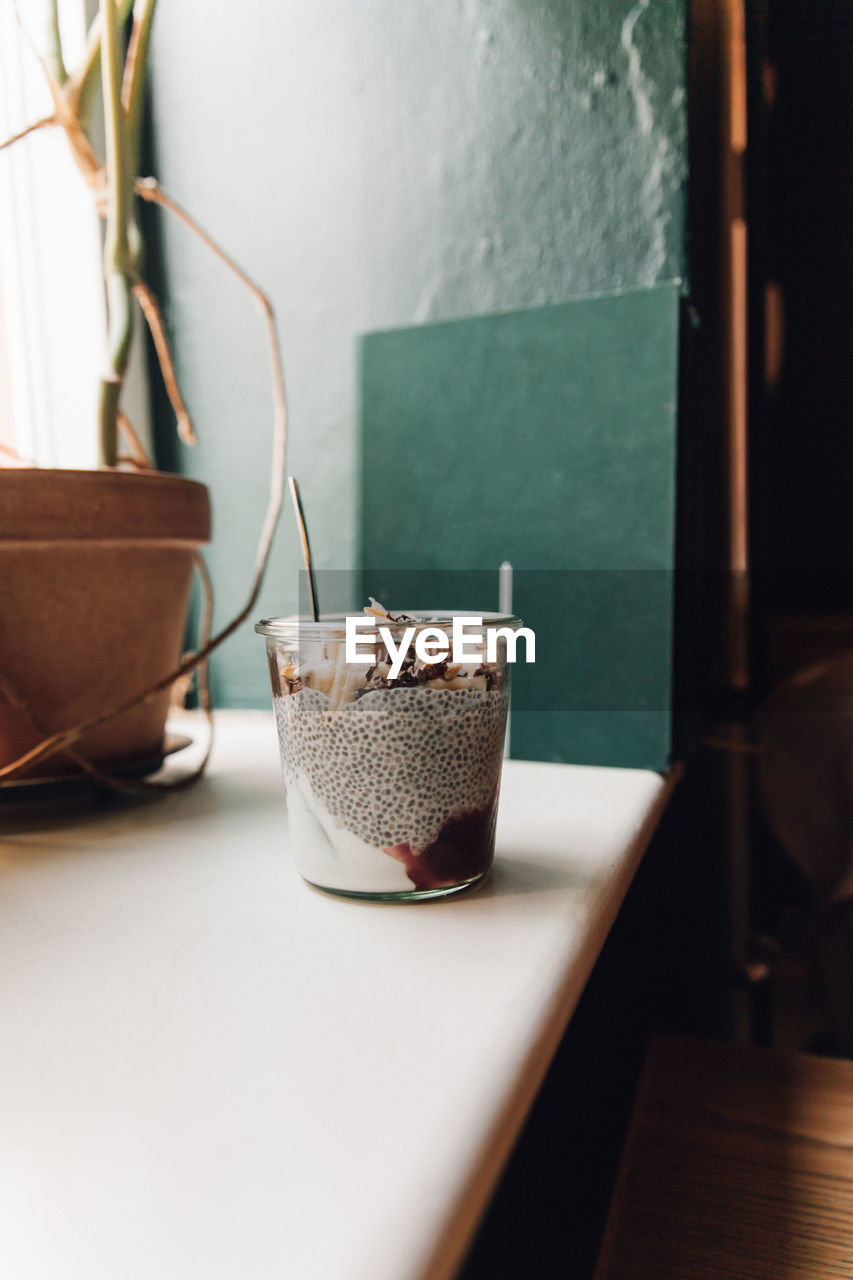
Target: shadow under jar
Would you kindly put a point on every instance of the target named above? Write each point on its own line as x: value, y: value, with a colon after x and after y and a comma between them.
x: 391, y: 775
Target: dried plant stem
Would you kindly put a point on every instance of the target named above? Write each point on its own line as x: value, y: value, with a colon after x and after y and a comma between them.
x: 154, y: 319
x: 65, y: 114
x: 16, y: 458
x: 67, y: 737
x: 206, y: 626
x: 14, y: 698
x: 149, y: 189
x: 109, y: 780
x: 45, y: 123
x: 139, y: 456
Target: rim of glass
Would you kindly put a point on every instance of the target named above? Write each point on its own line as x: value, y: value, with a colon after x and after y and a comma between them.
x: 333, y: 625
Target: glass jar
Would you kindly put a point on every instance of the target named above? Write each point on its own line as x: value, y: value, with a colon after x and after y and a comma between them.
x: 391, y: 762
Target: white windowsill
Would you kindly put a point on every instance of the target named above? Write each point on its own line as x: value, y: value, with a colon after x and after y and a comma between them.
x: 211, y: 1070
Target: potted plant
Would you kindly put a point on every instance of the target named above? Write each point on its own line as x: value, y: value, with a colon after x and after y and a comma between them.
x: 96, y: 566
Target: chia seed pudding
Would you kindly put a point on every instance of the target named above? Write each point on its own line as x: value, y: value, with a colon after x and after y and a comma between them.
x: 391, y: 780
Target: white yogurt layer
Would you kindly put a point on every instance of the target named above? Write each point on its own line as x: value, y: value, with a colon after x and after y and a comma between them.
x: 329, y: 855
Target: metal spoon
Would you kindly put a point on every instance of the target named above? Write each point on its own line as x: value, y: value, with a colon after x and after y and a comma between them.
x: 306, y: 549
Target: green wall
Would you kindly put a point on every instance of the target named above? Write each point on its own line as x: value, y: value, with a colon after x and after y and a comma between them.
x: 377, y: 164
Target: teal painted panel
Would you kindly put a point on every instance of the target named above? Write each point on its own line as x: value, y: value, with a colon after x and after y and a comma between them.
x: 545, y: 437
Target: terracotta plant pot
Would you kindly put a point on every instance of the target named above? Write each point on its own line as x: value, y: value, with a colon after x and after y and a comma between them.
x: 95, y: 572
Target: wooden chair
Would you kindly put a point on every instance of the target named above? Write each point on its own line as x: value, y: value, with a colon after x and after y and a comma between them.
x: 738, y: 1163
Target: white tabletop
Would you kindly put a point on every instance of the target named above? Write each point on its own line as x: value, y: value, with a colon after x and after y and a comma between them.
x: 210, y: 1070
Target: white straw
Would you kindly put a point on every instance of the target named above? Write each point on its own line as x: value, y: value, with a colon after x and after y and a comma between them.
x: 505, y: 588
x: 505, y: 607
